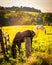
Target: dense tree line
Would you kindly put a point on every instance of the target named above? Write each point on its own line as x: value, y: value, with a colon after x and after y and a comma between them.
x: 22, y: 9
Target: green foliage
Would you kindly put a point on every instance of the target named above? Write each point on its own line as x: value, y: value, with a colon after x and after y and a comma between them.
x: 17, y: 17
x: 2, y: 18
x: 47, y: 18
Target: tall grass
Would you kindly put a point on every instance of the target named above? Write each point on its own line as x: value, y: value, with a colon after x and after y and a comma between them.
x: 41, y: 47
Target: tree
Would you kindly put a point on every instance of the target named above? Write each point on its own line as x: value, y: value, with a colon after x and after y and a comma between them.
x: 2, y: 18
x: 48, y: 18
x: 39, y: 19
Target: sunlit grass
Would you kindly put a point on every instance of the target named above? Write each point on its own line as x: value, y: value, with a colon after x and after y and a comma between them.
x: 41, y: 45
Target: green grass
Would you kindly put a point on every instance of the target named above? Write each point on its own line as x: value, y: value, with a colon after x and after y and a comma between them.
x: 41, y: 47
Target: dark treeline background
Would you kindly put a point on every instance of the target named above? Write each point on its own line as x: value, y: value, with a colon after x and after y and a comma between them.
x: 23, y: 16
x: 22, y: 9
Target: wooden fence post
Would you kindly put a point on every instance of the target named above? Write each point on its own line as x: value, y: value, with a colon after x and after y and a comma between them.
x: 28, y: 46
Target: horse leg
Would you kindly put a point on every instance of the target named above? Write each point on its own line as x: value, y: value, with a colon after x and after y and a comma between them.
x: 14, y: 50
x: 44, y: 30
x: 31, y: 44
x: 19, y: 46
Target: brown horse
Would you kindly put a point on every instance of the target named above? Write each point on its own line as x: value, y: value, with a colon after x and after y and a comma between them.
x: 19, y: 38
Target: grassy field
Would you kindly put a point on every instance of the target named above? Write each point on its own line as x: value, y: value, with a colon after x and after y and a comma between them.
x: 41, y: 47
